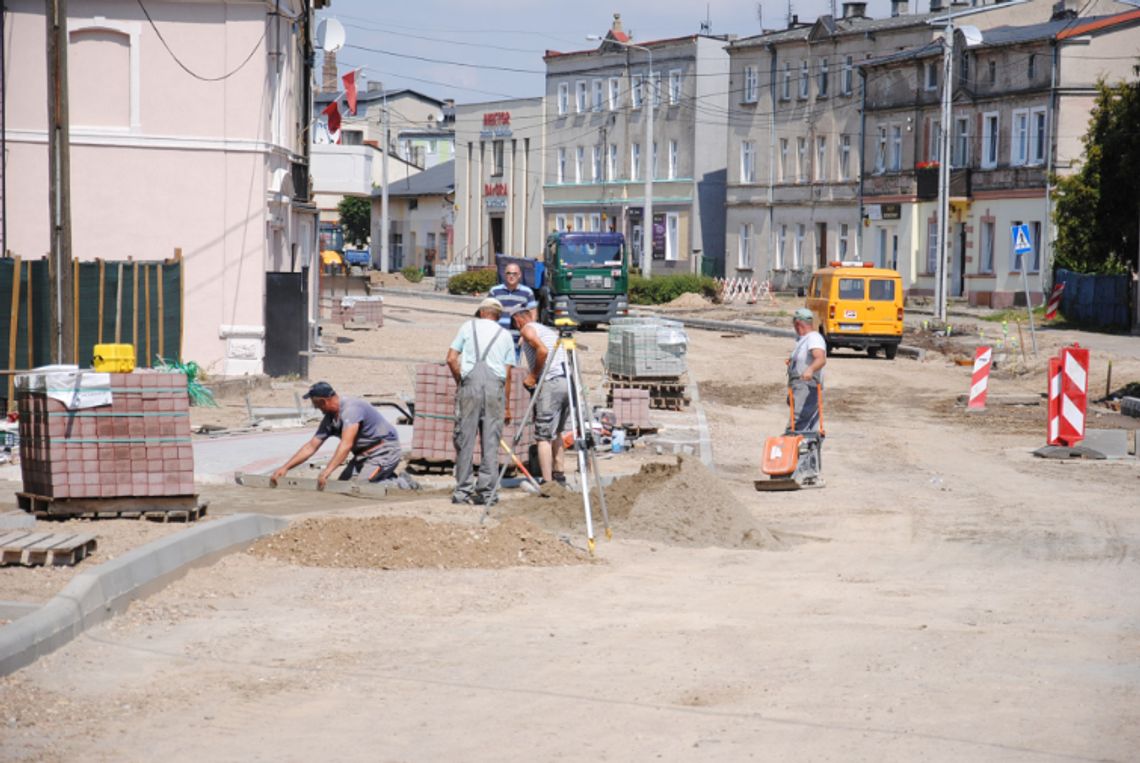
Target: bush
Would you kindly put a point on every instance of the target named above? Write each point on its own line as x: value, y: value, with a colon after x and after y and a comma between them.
x: 412, y: 273
x: 473, y: 282
x: 658, y: 291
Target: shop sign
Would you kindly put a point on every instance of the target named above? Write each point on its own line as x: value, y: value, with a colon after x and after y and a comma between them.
x: 495, y: 195
x: 496, y: 124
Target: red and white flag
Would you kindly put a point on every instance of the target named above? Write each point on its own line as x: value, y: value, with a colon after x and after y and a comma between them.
x: 332, y: 111
x: 350, y: 90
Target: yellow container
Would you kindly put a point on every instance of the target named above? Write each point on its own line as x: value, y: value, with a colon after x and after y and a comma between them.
x: 114, y: 358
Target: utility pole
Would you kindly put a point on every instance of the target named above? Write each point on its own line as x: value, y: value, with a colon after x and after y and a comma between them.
x: 943, y: 248
x: 647, y: 223
x: 385, y: 237
x: 59, y: 184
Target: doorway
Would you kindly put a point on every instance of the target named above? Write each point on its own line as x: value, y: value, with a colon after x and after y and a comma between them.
x: 286, y: 323
x: 821, y: 245
x: 958, y: 272
x: 496, y: 235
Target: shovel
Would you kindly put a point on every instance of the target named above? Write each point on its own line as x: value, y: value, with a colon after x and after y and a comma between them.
x: 530, y: 485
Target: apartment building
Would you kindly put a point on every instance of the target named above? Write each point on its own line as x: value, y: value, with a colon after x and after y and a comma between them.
x: 597, y: 153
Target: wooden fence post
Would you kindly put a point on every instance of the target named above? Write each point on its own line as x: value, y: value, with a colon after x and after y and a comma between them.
x: 13, y: 331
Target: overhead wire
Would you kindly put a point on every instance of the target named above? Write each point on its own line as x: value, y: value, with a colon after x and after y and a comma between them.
x: 186, y: 68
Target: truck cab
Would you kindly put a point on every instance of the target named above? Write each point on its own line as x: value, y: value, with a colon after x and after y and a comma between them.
x: 587, y: 277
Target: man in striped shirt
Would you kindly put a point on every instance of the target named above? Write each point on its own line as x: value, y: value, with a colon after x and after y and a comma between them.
x: 515, y: 297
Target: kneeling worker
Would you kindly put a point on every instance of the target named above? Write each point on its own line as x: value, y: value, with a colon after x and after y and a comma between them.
x: 552, y: 409
x: 373, y: 443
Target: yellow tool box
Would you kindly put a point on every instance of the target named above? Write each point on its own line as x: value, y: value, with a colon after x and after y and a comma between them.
x: 114, y: 358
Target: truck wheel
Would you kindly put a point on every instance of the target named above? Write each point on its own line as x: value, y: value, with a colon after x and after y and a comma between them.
x: 891, y: 350
x: 872, y: 351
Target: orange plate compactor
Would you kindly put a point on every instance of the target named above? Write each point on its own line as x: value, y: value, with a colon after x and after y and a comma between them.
x: 793, y: 461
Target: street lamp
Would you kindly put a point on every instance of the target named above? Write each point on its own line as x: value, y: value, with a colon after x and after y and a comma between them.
x: 647, y: 216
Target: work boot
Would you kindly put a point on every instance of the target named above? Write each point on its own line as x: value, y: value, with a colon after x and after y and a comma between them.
x: 458, y: 498
x: 559, y: 477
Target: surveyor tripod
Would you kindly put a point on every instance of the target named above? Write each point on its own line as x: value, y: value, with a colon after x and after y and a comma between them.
x: 581, y: 422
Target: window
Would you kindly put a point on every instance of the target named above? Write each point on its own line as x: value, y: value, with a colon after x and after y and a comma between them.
x: 786, y: 88
x: 784, y: 159
x: 655, y: 87
x: 960, y: 156
x: 851, y: 288
x: 931, y: 78
x: 932, y: 246
x: 882, y: 247
x: 798, y: 251
x: 1035, y: 239
x: 1037, y: 136
x: 934, y: 148
x: 560, y: 222
x: 635, y: 161
x: 579, y: 163
x: 993, y: 72
x: 801, y: 159
x: 848, y: 75
x: 744, y: 255
x: 672, y: 159
x: 781, y: 247
x: 635, y: 93
x: 615, y: 93
x: 896, y: 148
x: 964, y: 69
x: 805, y: 78
x: 613, y: 162
x: 1019, y: 138
x: 821, y: 158
x: 579, y: 222
x: 581, y: 96
x: 653, y: 162
x: 844, y: 157
x: 674, y: 87
x: 596, y: 175
x: 747, y: 161
x: 751, y: 84
x: 563, y: 97
x: 356, y: 138
x: 672, y: 236
x: 882, y: 290
x: 822, y: 78
x: 598, y: 95
x: 1032, y: 66
x: 987, y: 263
x: 596, y: 221
x: 989, y: 140
x: 844, y: 230
x: 881, y: 150
x: 497, y: 158
x: 561, y: 165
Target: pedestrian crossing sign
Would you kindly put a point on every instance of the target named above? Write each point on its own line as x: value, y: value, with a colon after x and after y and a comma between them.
x: 1022, y: 244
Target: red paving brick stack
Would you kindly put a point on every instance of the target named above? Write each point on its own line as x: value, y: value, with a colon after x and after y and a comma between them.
x: 139, y: 445
x: 360, y: 309
x: 433, y: 432
x: 631, y: 407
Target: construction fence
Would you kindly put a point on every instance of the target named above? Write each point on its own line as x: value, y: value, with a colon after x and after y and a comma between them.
x: 1103, y: 301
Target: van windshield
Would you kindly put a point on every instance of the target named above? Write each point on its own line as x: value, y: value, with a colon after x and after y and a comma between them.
x: 882, y: 290
x: 851, y: 288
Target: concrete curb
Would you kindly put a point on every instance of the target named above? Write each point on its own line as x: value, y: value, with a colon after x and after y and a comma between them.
x: 426, y: 294
x: 94, y: 596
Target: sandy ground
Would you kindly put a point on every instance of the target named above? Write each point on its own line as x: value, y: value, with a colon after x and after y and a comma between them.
x: 946, y: 597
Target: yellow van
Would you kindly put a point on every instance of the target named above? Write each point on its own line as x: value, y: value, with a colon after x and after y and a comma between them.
x: 858, y: 305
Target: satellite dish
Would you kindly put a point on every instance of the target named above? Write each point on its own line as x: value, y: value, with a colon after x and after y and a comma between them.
x: 330, y: 35
x: 972, y: 35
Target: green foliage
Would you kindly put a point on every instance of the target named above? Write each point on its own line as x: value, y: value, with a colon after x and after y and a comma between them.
x: 356, y: 218
x: 662, y: 289
x: 473, y: 282
x: 412, y: 273
x: 199, y: 394
x: 1096, y: 208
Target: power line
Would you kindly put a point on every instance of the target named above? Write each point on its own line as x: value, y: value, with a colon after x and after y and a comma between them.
x: 186, y: 68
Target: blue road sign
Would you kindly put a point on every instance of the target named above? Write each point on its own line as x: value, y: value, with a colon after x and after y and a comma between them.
x: 1022, y: 243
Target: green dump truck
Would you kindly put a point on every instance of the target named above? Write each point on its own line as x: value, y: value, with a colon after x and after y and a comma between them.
x: 586, y: 277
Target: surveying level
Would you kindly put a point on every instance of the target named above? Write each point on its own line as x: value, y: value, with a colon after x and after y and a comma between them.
x: 581, y: 422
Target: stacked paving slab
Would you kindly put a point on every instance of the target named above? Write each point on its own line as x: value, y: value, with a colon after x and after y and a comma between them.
x: 631, y: 408
x: 434, y: 428
x: 359, y: 310
x: 648, y: 353
x: 139, y: 445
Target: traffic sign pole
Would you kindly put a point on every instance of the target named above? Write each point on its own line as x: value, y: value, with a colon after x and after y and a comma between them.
x: 1029, y: 306
x: 1023, y: 247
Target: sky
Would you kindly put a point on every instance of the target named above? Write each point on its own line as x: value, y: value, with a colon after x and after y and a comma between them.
x: 481, y: 50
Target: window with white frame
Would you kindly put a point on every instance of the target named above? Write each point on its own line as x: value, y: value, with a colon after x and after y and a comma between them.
x: 1037, y: 135
x: 881, y: 150
x: 786, y: 86
x: 635, y: 94
x: 1019, y: 137
x: 934, y: 147
x: 579, y: 222
x: 781, y: 247
x: 990, y: 140
x: 497, y: 158
x: 672, y: 236
x: 560, y: 222
x: 960, y: 156
x: 615, y: 93
x: 844, y: 157
x: 596, y: 221
x: 751, y: 84
x: 744, y: 251
x: 747, y: 161
x: 805, y: 78
x: 579, y: 163
x: 596, y: 175
x: 844, y: 230
x: 821, y: 157
x: 987, y: 261
x: 613, y: 162
x: 674, y: 87
x: 798, y: 250
x: 562, y: 165
x: 801, y: 160
x: 655, y: 87
x: 673, y: 157
x: 581, y: 96
x: 896, y: 148
x: 635, y: 161
x: 848, y: 75
x: 784, y: 176
x: 563, y: 97
x: 932, y: 246
x: 822, y: 78
x: 653, y: 162
x: 599, y: 94
x: 931, y: 78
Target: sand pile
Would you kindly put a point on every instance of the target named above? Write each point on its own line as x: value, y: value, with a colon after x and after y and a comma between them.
x: 682, y: 504
x: 689, y: 299
x: 397, y: 543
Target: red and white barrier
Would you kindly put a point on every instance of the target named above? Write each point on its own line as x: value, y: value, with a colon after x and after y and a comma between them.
x: 980, y: 381
x: 1054, y: 303
x: 1053, y: 425
x: 1074, y: 394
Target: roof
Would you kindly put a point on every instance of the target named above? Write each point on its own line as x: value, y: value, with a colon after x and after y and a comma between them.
x: 1097, y: 24
x: 607, y: 45
x: 826, y: 27
x: 909, y: 54
x: 437, y: 181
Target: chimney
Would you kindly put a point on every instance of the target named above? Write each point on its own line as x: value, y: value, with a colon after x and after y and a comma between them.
x: 328, y: 73
x: 615, y: 28
x: 374, y: 87
x: 899, y: 7
x: 1065, y: 9
x: 854, y: 10
x: 936, y: 6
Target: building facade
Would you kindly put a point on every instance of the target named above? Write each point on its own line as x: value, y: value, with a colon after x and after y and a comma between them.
x: 421, y: 211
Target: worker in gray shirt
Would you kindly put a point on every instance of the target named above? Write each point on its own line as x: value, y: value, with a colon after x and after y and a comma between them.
x: 367, y: 440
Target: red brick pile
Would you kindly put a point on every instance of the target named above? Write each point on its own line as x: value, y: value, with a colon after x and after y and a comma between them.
x: 433, y: 432
x: 137, y: 446
x: 359, y: 309
x: 631, y: 407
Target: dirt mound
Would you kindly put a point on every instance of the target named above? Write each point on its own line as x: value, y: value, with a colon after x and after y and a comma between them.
x: 398, y: 543
x: 689, y: 299
x: 682, y: 504
x: 743, y: 395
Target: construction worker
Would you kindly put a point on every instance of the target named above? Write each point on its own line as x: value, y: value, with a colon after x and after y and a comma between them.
x: 373, y: 443
x: 552, y: 410
x: 478, y: 358
x: 805, y: 371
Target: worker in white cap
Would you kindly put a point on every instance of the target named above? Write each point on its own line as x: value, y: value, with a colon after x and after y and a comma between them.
x: 805, y: 371
x: 478, y: 359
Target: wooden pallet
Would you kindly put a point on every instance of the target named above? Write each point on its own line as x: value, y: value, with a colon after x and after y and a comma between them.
x: 668, y: 392
x: 37, y: 548
x: 164, y: 508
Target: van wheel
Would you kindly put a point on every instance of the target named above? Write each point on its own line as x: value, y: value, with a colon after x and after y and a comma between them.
x: 872, y: 351
x: 891, y: 350
x: 830, y: 348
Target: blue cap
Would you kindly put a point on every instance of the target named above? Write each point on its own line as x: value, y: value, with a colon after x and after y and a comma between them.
x: 320, y: 389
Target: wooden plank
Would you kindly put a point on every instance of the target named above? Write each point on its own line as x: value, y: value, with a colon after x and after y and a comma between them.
x: 102, y: 285
x: 146, y: 290
x: 181, y: 300
x: 359, y: 489
x: 13, y: 331
x: 75, y: 313
x: 14, y: 551
x: 29, y: 329
x: 136, y: 504
x: 161, y: 311
x: 13, y: 536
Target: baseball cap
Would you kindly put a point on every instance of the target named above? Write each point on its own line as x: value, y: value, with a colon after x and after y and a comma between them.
x: 320, y: 389
x: 803, y: 314
x: 490, y: 303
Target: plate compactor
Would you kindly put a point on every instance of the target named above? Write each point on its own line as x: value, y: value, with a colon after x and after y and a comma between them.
x: 794, y: 460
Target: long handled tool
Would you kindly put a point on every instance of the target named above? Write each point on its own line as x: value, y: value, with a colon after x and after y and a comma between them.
x: 531, y: 484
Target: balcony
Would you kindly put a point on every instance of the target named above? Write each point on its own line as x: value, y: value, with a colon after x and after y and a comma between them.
x: 927, y: 183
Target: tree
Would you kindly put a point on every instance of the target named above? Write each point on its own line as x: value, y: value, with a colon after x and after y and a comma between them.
x: 356, y: 218
x: 1097, y: 208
